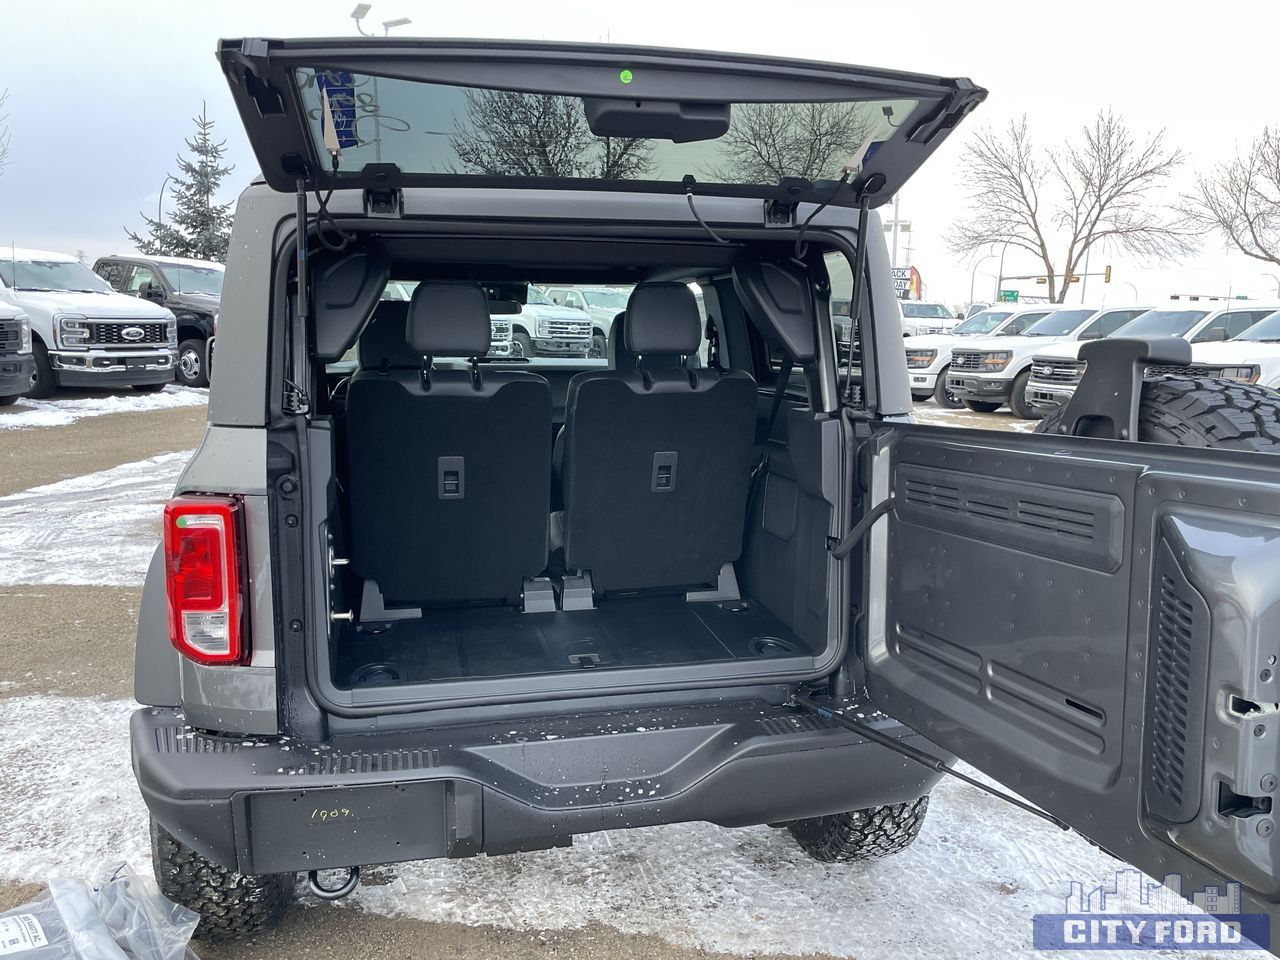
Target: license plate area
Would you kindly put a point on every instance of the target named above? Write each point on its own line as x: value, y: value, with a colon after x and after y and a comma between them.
x: 281, y: 831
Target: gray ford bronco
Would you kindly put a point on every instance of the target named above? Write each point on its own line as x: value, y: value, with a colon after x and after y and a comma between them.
x: 418, y: 602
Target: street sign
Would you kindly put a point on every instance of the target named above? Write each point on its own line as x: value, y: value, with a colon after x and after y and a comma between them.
x: 1008, y: 296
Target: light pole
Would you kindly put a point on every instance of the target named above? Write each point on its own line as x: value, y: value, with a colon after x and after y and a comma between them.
x: 358, y: 14
x: 160, y: 200
x: 1000, y: 279
x: 973, y: 274
x: 1276, y: 279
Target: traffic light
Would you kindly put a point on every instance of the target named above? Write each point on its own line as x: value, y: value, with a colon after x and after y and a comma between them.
x: 1042, y: 279
x: 1106, y: 274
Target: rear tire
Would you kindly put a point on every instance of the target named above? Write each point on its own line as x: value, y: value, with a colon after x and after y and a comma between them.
x: 920, y: 397
x: 1189, y: 412
x: 982, y: 406
x: 944, y: 397
x: 859, y: 835
x: 7, y: 399
x: 524, y: 343
x: 230, y: 905
x: 599, y: 347
x: 43, y: 384
x: 148, y: 387
x: 1018, y: 399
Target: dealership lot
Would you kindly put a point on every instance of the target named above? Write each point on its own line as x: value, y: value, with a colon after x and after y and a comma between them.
x: 80, y: 504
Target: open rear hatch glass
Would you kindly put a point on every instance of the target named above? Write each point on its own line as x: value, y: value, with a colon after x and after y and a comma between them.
x: 372, y: 114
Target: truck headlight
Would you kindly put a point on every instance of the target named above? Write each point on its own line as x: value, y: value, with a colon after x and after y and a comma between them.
x: 1245, y: 374
x: 24, y: 335
x: 73, y: 333
x: 919, y: 359
x: 994, y: 361
x: 171, y: 333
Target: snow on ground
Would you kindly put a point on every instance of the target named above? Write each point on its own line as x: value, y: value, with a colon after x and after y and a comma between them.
x: 969, y: 886
x: 932, y: 414
x: 97, y: 529
x: 59, y: 412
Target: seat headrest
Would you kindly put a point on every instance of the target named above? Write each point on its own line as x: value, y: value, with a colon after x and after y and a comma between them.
x: 382, y: 344
x: 449, y: 319
x: 662, y: 318
x: 620, y: 358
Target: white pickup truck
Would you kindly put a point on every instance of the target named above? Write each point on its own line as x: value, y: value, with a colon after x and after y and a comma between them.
x: 929, y: 356
x: 1056, y: 371
x: 990, y: 373
x: 1252, y: 357
x: 84, y: 333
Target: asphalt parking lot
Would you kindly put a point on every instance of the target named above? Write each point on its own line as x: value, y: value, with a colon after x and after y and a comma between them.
x: 80, y: 499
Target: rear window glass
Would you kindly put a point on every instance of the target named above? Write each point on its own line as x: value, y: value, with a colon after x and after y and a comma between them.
x: 428, y: 128
x: 931, y: 311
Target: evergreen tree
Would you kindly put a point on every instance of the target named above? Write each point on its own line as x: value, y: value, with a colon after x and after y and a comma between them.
x: 198, y: 227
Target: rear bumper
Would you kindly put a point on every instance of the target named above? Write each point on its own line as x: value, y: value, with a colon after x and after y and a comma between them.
x: 1048, y: 396
x: 264, y: 805
x: 15, y: 374
x: 989, y: 389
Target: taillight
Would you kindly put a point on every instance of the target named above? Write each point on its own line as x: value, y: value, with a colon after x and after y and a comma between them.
x: 204, y: 578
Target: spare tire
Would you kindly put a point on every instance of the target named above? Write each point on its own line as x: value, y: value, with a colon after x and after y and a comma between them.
x: 1191, y: 412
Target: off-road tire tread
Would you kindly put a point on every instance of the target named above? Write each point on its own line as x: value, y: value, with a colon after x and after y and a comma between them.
x: 1201, y: 412
x: 860, y: 835
x: 231, y: 905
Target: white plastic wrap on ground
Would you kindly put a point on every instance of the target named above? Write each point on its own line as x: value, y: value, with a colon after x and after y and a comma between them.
x: 98, y: 529
x: 968, y: 887
x: 60, y: 412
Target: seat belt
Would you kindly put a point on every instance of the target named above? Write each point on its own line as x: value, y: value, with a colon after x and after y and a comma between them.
x: 779, y: 394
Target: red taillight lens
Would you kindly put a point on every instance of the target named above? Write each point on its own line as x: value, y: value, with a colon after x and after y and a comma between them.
x: 203, y: 578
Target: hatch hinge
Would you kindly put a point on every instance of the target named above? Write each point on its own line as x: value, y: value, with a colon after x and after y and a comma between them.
x: 780, y: 213
x: 386, y: 203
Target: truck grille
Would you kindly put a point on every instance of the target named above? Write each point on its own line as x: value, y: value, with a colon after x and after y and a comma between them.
x: 110, y: 333
x: 568, y: 329
x: 966, y: 360
x: 9, y: 336
x: 1057, y: 371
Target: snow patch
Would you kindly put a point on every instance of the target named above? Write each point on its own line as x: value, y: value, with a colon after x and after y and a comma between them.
x: 968, y: 886
x: 25, y: 413
x: 70, y: 799
x: 99, y: 529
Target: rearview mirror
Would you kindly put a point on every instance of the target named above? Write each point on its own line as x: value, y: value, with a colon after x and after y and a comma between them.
x: 1093, y: 333
x: 657, y: 119
x: 1216, y: 335
x: 149, y: 292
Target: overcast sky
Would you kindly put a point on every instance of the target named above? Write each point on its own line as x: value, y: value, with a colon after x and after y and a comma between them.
x: 101, y: 95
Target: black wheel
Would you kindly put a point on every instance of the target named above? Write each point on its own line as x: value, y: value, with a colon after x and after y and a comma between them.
x: 522, y: 345
x: 43, y: 384
x: 944, y: 397
x: 982, y: 406
x: 599, y: 347
x: 7, y: 399
x: 1189, y: 412
x: 148, y: 387
x: 191, y: 367
x: 231, y: 905
x: 517, y: 350
x: 920, y: 397
x: 861, y: 834
x: 1018, y: 399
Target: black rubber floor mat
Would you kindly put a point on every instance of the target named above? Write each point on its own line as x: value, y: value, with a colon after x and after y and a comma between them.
x: 631, y: 632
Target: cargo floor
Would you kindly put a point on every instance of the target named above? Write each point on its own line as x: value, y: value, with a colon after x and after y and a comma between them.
x: 502, y: 642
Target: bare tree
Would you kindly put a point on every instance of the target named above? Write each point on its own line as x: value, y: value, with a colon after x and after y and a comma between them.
x: 1242, y: 199
x: 541, y: 135
x: 769, y: 141
x: 1059, y: 203
x: 4, y: 132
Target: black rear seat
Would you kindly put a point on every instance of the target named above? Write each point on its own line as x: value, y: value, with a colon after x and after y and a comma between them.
x: 449, y: 470
x: 657, y: 457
